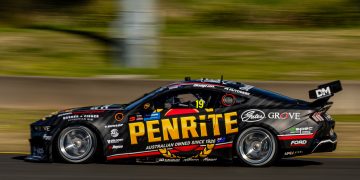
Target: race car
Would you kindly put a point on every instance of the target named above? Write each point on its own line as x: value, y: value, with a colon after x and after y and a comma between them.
x: 193, y: 120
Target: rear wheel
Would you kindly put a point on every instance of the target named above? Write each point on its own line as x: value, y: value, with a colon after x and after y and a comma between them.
x: 256, y: 146
x: 77, y: 144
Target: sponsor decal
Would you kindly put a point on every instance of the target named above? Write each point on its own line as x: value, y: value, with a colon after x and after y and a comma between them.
x: 114, y: 133
x: 146, y: 105
x: 104, y: 107
x: 159, y: 146
x: 82, y: 117
x: 181, y: 146
x: 206, y: 151
x: 114, y: 125
x: 285, y: 137
x: 119, y: 116
x: 191, y: 160
x: 156, y: 152
x: 211, y: 80
x: 207, y: 159
x: 132, y: 118
x: 228, y: 100
x: 139, y: 117
x: 169, y: 160
x: 204, y: 85
x: 220, y: 140
x: 209, y: 110
x: 42, y: 128
x: 184, y: 127
x: 301, y: 130
x: 284, y: 115
x: 236, y: 91
x: 152, y: 116
x: 246, y: 87
x: 292, y: 153
x: 323, y: 92
x: 298, y: 143
x: 46, y: 137
x: 38, y: 151
x: 46, y: 128
x: 117, y: 147
x: 252, y: 115
x: 114, y: 141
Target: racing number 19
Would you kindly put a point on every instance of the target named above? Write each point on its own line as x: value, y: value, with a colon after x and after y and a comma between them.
x: 200, y: 103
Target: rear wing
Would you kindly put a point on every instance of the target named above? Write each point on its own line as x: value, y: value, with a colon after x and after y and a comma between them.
x: 324, y: 92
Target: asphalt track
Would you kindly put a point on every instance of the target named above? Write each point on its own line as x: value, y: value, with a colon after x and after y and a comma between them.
x: 13, y: 167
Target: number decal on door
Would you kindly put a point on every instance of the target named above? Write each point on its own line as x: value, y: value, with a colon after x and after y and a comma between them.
x: 200, y: 103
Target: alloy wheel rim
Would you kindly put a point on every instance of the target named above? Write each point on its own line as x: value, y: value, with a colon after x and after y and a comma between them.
x: 76, y: 143
x: 256, y: 147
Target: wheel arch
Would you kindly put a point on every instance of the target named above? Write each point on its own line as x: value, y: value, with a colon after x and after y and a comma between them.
x: 262, y: 125
x: 100, y: 149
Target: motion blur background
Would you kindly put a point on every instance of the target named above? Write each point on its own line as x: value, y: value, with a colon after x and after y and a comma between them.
x: 241, y: 39
x: 246, y: 40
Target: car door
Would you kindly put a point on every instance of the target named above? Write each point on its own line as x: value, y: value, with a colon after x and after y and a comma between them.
x: 189, y: 108
x: 177, y: 124
x: 227, y: 107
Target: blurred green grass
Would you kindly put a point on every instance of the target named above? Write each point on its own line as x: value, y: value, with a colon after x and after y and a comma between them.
x: 12, y: 120
x: 320, y: 54
x: 240, y: 39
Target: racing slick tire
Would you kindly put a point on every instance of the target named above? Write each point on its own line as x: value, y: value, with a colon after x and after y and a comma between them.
x: 257, y: 147
x: 76, y: 144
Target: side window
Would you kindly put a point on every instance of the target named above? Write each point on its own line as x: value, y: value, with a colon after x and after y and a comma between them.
x: 187, y: 99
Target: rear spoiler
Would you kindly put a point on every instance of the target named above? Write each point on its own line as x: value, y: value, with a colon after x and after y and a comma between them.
x: 324, y: 92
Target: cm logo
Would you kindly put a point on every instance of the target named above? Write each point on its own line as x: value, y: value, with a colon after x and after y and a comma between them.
x: 323, y: 92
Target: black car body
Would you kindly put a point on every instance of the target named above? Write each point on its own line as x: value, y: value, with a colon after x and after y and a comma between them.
x: 193, y: 120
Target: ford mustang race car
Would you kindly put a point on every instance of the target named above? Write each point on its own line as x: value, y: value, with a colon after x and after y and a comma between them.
x: 193, y: 120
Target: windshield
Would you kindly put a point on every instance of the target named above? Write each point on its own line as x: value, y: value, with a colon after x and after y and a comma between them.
x: 142, y: 99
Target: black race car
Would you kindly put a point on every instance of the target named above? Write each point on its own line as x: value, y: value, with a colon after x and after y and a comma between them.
x: 194, y: 120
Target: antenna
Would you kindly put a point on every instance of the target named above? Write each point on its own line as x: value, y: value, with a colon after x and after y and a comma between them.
x: 221, y: 80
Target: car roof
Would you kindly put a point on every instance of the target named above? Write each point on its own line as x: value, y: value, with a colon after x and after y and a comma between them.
x: 235, y: 85
x: 217, y: 82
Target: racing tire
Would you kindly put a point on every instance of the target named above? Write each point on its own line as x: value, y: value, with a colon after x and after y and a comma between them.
x: 76, y: 144
x: 257, y: 147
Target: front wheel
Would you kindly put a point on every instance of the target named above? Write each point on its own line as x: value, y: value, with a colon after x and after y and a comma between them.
x: 77, y: 144
x: 256, y: 146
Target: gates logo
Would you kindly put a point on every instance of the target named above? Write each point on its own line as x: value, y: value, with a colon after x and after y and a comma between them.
x: 323, y: 92
x: 252, y: 115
